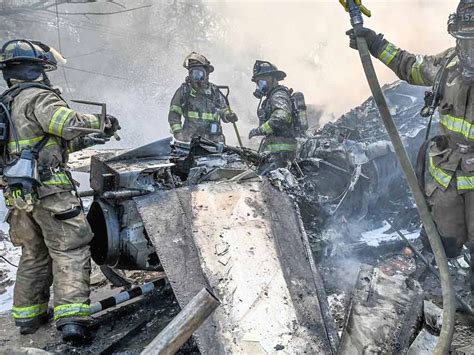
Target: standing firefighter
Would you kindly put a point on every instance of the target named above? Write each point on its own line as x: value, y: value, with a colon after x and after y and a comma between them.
x: 451, y: 157
x: 37, y: 131
x: 276, y: 116
x: 200, y: 103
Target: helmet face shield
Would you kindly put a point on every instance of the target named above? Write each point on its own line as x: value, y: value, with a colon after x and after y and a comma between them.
x: 465, y: 48
x: 197, y: 74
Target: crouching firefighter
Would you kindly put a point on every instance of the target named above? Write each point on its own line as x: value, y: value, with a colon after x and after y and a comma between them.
x: 451, y: 157
x: 37, y: 131
x: 201, y: 104
x: 282, y: 117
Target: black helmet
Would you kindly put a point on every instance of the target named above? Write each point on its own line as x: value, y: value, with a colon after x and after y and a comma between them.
x: 461, y: 24
x: 264, y: 68
x: 22, y: 51
x: 197, y: 60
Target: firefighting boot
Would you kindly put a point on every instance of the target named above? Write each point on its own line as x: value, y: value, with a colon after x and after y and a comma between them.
x: 30, y: 326
x: 74, y: 330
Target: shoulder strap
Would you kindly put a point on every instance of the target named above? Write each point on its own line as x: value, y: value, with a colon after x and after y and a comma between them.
x: 8, y: 95
x: 185, y: 98
x: 441, y: 77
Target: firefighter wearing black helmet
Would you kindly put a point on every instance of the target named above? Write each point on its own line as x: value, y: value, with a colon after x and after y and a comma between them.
x: 45, y: 214
x: 200, y: 103
x: 451, y: 157
x: 275, y: 114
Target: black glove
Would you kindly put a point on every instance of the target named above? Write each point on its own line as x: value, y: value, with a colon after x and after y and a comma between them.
x: 374, y: 41
x: 255, y: 132
x: 111, y: 125
x: 94, y: 139
x: 230, y: 117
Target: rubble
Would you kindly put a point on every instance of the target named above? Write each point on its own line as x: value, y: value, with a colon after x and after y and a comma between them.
x: 347, y: 185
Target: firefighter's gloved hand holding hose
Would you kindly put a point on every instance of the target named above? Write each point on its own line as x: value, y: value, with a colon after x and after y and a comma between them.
x: 365, y: 41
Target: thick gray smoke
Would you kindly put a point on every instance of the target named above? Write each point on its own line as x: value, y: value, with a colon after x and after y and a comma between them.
x: 141, y: 51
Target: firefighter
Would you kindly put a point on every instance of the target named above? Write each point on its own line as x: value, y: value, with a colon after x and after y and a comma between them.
x: 200, y: 102
x: 451, y: 157
x: 45, y: 213
x: 275, y: 116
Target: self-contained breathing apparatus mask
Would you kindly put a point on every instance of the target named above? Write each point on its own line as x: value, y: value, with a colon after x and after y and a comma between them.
x: 461, y: 27
x: 198, y: 74
x: 262, y: 89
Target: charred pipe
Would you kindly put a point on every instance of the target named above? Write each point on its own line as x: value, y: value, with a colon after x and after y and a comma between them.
x: 87, y: 193
x: 180, y: 329
x: 126, y: 296
x: 123, y: 194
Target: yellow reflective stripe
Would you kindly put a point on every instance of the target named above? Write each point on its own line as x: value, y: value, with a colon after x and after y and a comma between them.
x: 280, y: 147
x: 193, y: 114
x: 176, y: 109
x: 58, y: 120
x: 205, y: 116
x: 266, y: 128
x: 94, y: 121
x: 209, y: 117
x: 176, y: 127
x: 441, y: 176
x: 388, y: 54
x: 25, y: 143
x: 458, y: 125
x: 58, y: 179
x: 417, y: 72
x: 30, y: 311
x: 465, y: 183
x: 72, y: 310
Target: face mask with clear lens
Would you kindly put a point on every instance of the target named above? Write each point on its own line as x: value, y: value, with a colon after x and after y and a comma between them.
x: 262, y: 86
x: 197, y: 74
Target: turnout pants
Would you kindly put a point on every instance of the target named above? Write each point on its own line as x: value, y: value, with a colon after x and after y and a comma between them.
x: 54, y: 240
x: 454, y: 216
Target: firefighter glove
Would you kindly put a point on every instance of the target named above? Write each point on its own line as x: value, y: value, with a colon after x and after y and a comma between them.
x: 111, y: 125
x: 230, y: 117
x: 374, y: 40
x: 255, y: 132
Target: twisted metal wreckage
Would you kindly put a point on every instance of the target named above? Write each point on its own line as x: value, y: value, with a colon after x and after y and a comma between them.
x: 201, y: 214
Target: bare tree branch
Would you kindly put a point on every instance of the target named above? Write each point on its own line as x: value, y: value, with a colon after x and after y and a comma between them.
x: 6, y: 10
x: 99, y: 13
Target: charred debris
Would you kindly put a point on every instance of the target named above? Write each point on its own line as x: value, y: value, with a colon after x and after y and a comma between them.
x: 367, y: 291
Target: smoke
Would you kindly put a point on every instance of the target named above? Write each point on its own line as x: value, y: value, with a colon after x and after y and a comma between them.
x: 140, y: 53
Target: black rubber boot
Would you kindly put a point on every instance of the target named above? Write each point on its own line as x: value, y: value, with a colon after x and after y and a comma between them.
x: 75, y: 334
x: 74, y: 330
x: 30, y: 326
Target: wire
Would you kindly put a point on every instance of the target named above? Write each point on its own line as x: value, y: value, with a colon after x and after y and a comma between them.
x: 93, y: 72
x: 8, y: 261
x: 60, y: 47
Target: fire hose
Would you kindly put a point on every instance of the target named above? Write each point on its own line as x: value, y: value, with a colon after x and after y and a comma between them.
x: 355, y: 9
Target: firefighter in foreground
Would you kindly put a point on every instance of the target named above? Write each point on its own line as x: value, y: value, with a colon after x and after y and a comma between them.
x: 276, y: 117
x: 45, y: 214
x: 451, y: 157
x: 201, y: 104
